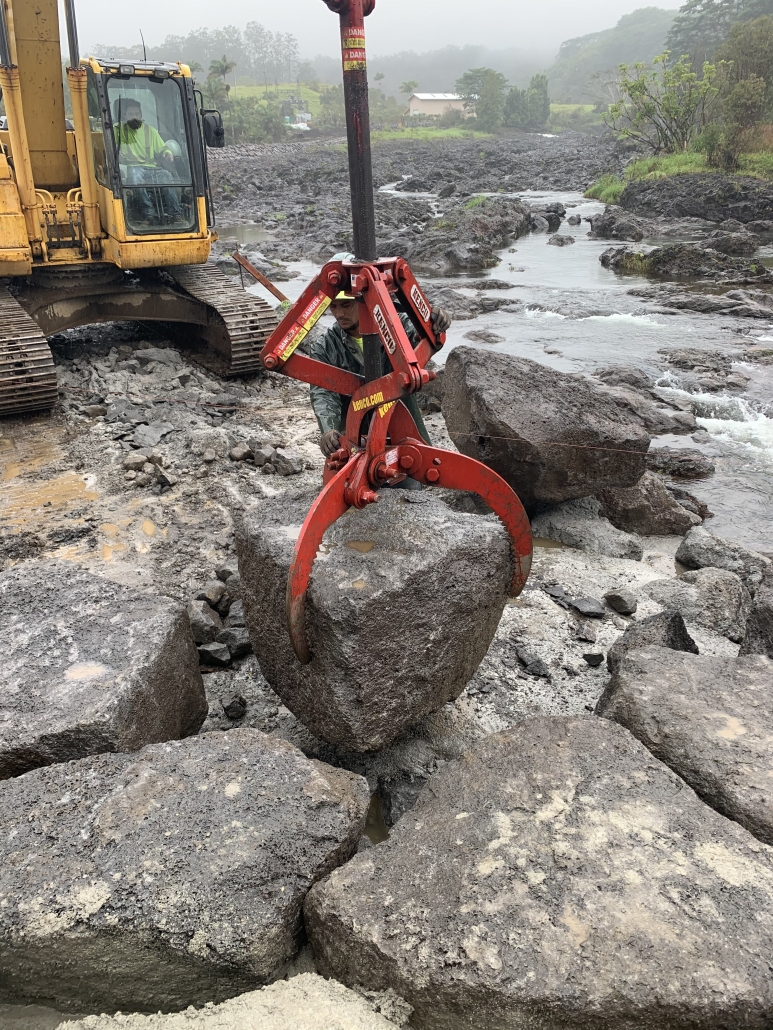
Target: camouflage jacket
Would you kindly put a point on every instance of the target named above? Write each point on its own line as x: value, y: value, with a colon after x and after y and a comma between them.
x: 337, y: 348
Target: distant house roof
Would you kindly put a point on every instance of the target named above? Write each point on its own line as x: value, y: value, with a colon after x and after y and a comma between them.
x: 435, y: 96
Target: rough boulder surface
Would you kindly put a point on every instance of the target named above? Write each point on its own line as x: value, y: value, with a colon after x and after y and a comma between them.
x: 580, y: 524
x: 666, y: 629
x: 90, y: 666
x: 404, y: 601
x: 557, y: 876
x: 305, y: 1002
x: 759, y: 627
x: 646, y: 508
x: 709, y: 719
x: 167, y: 878
x: 553, y: 437
x: 701, y: 549
x: 710, y: 597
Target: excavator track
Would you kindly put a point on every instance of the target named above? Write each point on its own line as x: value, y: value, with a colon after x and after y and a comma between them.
x: 242, y: 323
x: 27, y: 373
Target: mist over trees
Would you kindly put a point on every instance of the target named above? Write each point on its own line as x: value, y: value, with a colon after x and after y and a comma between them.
x: 702, y: 25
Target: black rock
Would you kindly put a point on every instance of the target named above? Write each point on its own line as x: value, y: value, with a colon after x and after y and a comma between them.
x: 594, y: 660
x: 588, y: 606
x: 214, y: 654
x: 236, y: 708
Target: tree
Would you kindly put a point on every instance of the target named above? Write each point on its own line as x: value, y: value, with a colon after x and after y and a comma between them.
x: 221, y: 67
x: 409, y: 87
x: 528, y: 108
x: 702, y: 25
x: 664, y: 108
x: 748, y: 51
x: 483, y: 90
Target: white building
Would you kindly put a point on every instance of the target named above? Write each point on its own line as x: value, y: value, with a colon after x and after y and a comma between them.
x: 435, y: 103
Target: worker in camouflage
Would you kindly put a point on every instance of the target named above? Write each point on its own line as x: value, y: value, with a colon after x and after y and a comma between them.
x: 341, y: 346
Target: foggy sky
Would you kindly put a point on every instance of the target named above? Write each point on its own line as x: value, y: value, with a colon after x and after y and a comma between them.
x: 395, y: 25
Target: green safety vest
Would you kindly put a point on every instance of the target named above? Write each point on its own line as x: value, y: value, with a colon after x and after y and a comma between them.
x: 139, y: 146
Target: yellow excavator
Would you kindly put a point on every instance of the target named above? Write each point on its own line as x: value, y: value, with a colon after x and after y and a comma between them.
x: 106, y: 216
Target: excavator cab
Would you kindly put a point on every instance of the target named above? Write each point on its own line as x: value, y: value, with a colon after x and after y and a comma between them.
x: 147, y: 145
x: 106, y: 216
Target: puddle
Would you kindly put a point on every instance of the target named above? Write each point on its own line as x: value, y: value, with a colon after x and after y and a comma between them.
x: 21, y: 500
x: 243, y: 233
x: 375, y: 827
x: 363, y: 546
x: 541, y: 541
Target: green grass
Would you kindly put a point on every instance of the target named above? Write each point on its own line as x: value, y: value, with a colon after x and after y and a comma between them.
x: 285, y: 90
x: 429, y: 134
x: 609, y: 187
x: 475, y: 202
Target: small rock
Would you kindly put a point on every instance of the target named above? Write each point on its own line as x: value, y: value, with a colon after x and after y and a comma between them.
x: 288, y: 462
x: 236, y: 615
x: 212, y: 592
x: 240, y: 452
x: 236, y: 708
x: 646, y: 508
x: 216, y: 654
x: 560, y: 241
x: 163, y: 355
x: 623, y: 601
x: 484, y: 336
x: 589, y: 607
x: 580, y: 524
x: 226, y: 570
x: 94, y: 410
x: 268, y: 469
x: 234, y: 586
x: 134, y: 461
x: 236, y: 639
x: 594, y: 660
x: 574, y: 220
x: 533, y: 664
x: 587, y: 632
x: 166, y: 479
x: 205, y: 623
x: 262, y: 452
x: 666, y: 629
x: 152, y: 435
x: 209, y: 456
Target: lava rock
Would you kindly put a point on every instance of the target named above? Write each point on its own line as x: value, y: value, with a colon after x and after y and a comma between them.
x: 134, y: 462
x: 736, y: 244
x: 759, y: 627
x: 236, y: 708
x: 614, y: 224
x: 236, y: 615
x: 240, y: 452
x: 505, y: 898
x: 205, y: 623
x: 580, y: 524
x: 700, y: 549
x: 684, y: 463
x: 709, y: 719
x: 90, y: 666
x: 152, y: 435
x: 287, y: 461
x: 169, y: 878
x: 656, y: 420
x: 383, y: 653
x: 712, y: 196
x: 305, y: 1002
x: 552, y: 436
x: 666, y: 629
x: 561, y: 241
x: 623, y: 601
x: 215, y: 654
x: 236, y: 639
x: 212, y: 593
x: 589, y: 607
x: 711, y: 597
x: 646, y: 508
x: 594, y: 660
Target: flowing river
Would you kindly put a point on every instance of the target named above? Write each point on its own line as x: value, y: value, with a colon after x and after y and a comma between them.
x: 576, y: 316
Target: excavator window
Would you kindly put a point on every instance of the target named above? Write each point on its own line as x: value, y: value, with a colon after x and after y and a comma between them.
x: 151, y: 154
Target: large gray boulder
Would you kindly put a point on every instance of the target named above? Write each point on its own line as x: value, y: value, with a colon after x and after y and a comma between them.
x: 666, y: 629
x: 646, y: 508
x: 305, y: 1002
x: 404, y: 601
x: 580, y: 524
x: 557, y: 876
x: 709, y: 719
x: 759, y: 627
x: 167, y: 878
x: 553, y: 437
x: 711, y: 597
x: 701, y: 549
x: 90, y: 666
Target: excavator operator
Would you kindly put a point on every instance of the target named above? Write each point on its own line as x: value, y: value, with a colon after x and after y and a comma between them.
x: 144, y: 159
x: 341, y: 346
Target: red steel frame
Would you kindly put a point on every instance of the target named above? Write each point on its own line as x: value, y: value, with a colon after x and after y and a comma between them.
x: 390, y: 449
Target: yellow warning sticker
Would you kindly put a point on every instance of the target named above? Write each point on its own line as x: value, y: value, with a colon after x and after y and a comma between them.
x: 307, y: 319
x: 368, y: 402
x: 353, y: 45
